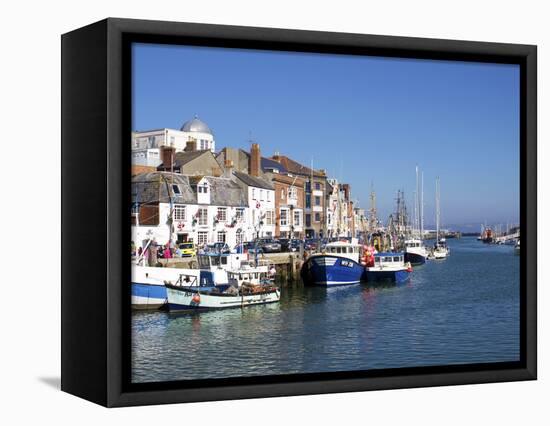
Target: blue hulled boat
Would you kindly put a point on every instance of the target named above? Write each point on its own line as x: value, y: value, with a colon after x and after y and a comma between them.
x: 389, y: 267
x: 338, y: 264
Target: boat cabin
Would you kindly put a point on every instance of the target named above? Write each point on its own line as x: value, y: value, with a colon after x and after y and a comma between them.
x: 204, y: 279
x: 389, y: 259
x: 251, y: 275
x: 413, y: 243
x: 343, y: 249
x: 225, y: 261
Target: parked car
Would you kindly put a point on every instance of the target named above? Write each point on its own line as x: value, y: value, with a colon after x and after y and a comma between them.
x: 295, y: 245
x: 289, y: 244
x: 311, y: 244
x: 188, y: 249
x: 285, y: 244
x: 222, y: 248
x: 269, y: 245
x: 251, y: 247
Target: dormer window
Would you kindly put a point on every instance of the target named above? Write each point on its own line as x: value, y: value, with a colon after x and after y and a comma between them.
x: 203, y: 189
x: 176, y: 189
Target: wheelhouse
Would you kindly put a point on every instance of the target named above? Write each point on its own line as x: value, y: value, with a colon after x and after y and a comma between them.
x: 413, y: 243
x: 389, y: 259
x: 342, y: 249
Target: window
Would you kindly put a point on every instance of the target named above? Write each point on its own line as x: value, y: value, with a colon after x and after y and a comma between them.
x: 203, y: 217
x: 268, y: 195
x: 308, y: 201
x: 253, y: 193
x: 239, y: 213
x: 222, y: 214
x: 297, y: 218
x: 203, y: 144
x: 261, y: 194
x: 292, y: 192
x: 269, y: 217
x: 317, y: 201
x: 284, y: 217
x: 239, y: 236
x: 396, y: 258
x: 172, y: 140
x: 221, y: 237
x: 318, y: 186
x: 202, y: 238
x: 308, y: 220
x: 308, y: 186
x: 176, y: 189
x: 317, y: 217
x: 282, y: 194
x: 179, y: 212
x: 203, y: 189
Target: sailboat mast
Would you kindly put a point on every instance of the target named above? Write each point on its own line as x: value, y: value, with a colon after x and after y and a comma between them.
x: 422, y: 209
x: 416, y: 206
x: 437, y: 207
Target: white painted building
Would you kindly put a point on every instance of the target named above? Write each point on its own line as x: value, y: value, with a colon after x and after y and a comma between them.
x: 178, y: 208
x: 261, y: 202
x: 194, y: 135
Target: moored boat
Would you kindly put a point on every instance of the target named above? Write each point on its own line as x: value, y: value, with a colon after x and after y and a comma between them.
x: 338, y: 264
x: 441, y: 250
x: 415, y: 252
x: 389, y: 267
x: 147, y: 288
x: 190, y: 293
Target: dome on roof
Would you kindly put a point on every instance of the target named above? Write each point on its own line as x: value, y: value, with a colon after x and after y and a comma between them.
x: 197, y: 126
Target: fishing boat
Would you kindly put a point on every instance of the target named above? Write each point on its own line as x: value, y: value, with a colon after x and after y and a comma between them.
x: 389, y: 267
x: 147, y: 288
x: 338, y: 264
x: 416, y: 252
x: 191, y: 293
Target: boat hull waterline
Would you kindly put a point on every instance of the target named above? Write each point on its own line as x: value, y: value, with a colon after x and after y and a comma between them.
x: 398, y: 276
x: 195, y: 299
x: 415, y: 259
x: 148, y: 296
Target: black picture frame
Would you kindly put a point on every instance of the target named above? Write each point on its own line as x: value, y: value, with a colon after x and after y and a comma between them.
x: 96, y: 126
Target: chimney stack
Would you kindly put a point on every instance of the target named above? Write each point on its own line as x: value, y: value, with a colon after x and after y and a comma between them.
x: 255, y: 159
x: 228, y: 168
x: 191, y: 145
x: 167, y: 154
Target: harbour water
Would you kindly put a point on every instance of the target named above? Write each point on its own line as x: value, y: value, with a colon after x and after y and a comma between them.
x: 464, y: 309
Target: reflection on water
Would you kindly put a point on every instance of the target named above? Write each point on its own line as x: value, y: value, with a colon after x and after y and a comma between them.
x: 464, y: 309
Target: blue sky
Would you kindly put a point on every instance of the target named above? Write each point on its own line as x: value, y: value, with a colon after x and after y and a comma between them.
x: 364, y: 119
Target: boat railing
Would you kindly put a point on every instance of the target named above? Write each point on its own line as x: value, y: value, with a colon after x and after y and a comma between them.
x: 186, y: 280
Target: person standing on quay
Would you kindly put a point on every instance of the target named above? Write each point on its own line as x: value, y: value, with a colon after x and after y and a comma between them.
x: 152, y: 253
